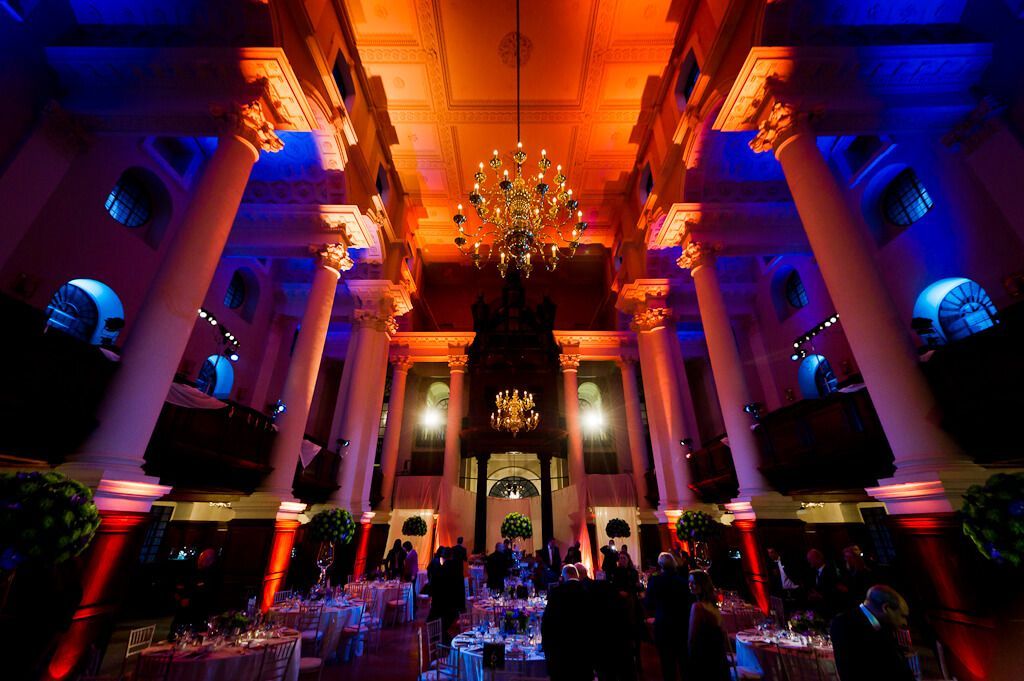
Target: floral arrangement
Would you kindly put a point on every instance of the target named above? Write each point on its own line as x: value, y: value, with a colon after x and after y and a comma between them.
x: 993, y: 518
x: 617, y: 527
x: 515, y: 621
x: 45, y: 518
x: 333, y: 525
x: 231, y: 620
x: 696, y: 526
x: 806, y: 622
x: 414, y: 526
x: 516, y: 526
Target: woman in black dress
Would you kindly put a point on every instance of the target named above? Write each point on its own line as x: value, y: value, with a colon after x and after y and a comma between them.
x: 708, y: 642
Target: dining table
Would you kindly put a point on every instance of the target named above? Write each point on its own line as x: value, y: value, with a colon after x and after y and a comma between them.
x: 521, y: 656
x: 336, y: 615
x: 225, y: 661
x: 376, y: 594
x: 762, y: 650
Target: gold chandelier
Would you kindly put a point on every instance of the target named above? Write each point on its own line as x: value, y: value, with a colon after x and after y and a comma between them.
x: 514, y: 413
x: 522, y: 217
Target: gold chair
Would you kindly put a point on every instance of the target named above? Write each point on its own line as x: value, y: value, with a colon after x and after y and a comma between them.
x: 276, y: 657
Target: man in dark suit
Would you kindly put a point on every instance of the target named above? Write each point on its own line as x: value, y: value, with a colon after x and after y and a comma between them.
x: 609, y: 558
x: 823, y: 585
x: 567, y: 630
x: 573, y: 554
x: 551, y: 556
x: 459, y: 553
x: 497, y: 565
x: 784, y: 577
x: 668, y: 596
x: 864, y: 639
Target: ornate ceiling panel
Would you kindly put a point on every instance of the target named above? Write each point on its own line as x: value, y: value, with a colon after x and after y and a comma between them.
x: 447, y: 69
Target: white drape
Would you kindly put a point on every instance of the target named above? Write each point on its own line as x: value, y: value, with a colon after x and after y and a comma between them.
x: 308, y: 450
x: 602, y: 514
x: 424, y: 544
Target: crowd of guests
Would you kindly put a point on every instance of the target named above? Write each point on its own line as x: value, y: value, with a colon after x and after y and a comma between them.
x: 818, y: 584
x: 446, y: 584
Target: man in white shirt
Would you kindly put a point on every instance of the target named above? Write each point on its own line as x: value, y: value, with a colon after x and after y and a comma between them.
x: 783, y: 583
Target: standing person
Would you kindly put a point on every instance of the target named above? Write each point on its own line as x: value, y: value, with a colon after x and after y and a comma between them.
x: 497, y: 566
x: 442, y: 595
x: 573, y: 554
x: 708, y: 645
x: 609, y: 558
x: 394, y: 562
x: 566, y: 630
x: 412, y: 563
x: 551, y: 556
x: 615, y: 635
x: 864, y: 639
x: 197, y: 596
x: 624, y: 551
x: 783, y: 580
x: 459, y: 554
x: 668, y: 596
x: 858, y: 578
x: 823, y: 592
x: 624, y: 576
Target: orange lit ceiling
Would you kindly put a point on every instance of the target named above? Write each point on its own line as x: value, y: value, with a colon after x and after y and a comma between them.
x: 447, y: 68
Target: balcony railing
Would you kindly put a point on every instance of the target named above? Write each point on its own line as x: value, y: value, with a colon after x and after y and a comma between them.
x: 213, y: 449
x: 832, y: 443
x: 712, y: 474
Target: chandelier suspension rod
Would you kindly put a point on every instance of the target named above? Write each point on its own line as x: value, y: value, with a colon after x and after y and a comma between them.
x: 519, y: 133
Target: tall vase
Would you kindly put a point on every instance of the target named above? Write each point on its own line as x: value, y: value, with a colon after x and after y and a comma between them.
x: 324, y: 560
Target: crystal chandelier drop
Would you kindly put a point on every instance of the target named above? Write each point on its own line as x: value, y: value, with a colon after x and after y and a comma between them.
x: 522, y: 217
x: 514, y: 413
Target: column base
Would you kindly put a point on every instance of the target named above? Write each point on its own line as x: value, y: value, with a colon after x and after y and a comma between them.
x: 928, y: 489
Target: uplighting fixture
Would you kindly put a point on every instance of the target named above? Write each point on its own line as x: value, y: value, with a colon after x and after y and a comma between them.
x: 522, y: 217
x: 514, y: 413
x: 432, y: 418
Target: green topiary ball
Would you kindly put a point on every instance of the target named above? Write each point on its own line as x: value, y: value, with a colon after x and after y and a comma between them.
x: 333, y: 525
x: 45, y: 519
x: 617, y: 527
x: 516, y: 526
x: 696, y: 526
x: 414, y: 526
x: 993, y: 518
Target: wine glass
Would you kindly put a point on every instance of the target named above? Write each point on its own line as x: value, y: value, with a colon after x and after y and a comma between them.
x: 324, y: 560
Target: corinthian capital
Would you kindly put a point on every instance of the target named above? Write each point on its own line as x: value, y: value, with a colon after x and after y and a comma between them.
x: 377, y: 321
x: 402, y: 362
x: 781, y: 122
x: 458, y: 363
x: 697, y: 254
x: 650, y: 319
x: 334, y: 257
x: 569, y: 362
x: 248, y: 122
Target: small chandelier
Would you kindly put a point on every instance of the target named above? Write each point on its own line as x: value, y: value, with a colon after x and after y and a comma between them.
x: 514, y: 413
x: 522, y: 217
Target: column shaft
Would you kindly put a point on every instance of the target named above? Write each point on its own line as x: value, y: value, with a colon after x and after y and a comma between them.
x: 300, y: 382
x: 878, y: 338
x: 547, y: 516
x: 133, y: 402
x: 727, y: 368
x: 280, y: 558
x: 452, y: 441
x: 570, y: 386
x: 393, y: 429
x: 635, y: 430
x: 480, y: 526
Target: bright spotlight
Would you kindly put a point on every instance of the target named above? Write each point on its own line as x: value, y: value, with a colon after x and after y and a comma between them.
x: 432, y: 418
x: 593, y: 420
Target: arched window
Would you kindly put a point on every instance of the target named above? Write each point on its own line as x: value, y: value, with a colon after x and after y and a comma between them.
x: 953, y: 309
x: 130, y: 202
x: 514, y: 487
x: 796, y: 294
x: 88, y: 310
x: 905, y: 200
x: 216, y: 377
x: 235, y: 295
x: 816, y: 378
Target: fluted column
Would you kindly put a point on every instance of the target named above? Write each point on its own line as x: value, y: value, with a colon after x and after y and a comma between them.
x: 570, y: 364
x: 452, y: 444
x: 332, y: 260
x: 878, y: 338
x: 726, y: 366
x: 377, y: 305
x: 393, y: 429
x: 663, y: 408
x: 634, y: 428
x: 135, y: 397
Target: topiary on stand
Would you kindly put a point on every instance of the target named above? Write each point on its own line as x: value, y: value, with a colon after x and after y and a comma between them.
x: 993, y: 518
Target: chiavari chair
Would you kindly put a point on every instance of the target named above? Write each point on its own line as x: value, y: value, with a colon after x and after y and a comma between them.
x: 276, y: 657
x: 155, y: 667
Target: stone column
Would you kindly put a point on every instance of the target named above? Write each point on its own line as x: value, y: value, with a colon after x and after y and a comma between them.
x: 135, y: 397
x: 634, y: 427
x: 452, y: 444
x: 878, y: 338
x: 726, y: 366
x: 271, y: 352
x: 480, y: 526
x: 547, y: 516
x: 657, y: 370
x: 570, y: 364
x: 332, y: 260
x: 377, y: 305
x: 393, y: 429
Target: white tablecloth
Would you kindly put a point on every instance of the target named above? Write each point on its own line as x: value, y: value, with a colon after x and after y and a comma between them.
x: 755, y: 653
x: 227, y: 664
x: 332, y: 621
x: 467, y: 652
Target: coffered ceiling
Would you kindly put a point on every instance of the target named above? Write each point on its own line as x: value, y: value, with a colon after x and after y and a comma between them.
x: 447, y: 69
